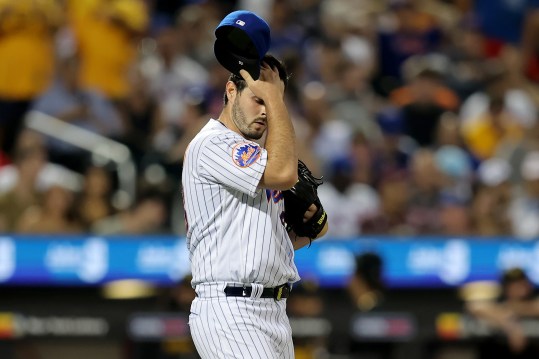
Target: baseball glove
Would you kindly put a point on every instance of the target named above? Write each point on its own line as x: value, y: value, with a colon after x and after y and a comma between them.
x: 298, y: 199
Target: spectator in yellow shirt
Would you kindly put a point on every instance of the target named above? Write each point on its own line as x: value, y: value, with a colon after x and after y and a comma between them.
x: 106, y: 33
x: 484, y: 134
x: 27, y: 30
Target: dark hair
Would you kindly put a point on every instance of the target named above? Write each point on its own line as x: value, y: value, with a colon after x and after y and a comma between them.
x: 429, y: 74
x: 272, y: 62
x: 150, y: 194
x: 512, y: 275
x: 496, y: 103
x: 369, y: 267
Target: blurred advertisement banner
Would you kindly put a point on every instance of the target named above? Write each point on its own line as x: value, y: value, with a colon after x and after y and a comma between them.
x: 414, y: 262
x: 14, y: 326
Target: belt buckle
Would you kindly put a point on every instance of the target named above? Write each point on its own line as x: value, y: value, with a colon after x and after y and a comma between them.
x: 279, y: 293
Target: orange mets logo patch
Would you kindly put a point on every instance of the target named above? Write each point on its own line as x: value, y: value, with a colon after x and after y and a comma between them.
x: 245, y: 154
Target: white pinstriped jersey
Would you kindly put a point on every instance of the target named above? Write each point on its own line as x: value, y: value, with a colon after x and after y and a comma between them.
x: 234, y: 229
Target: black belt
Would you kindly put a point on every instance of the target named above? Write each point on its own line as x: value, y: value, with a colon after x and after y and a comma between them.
x: 277, y: 293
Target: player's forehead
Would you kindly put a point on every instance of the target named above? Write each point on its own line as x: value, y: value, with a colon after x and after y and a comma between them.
x: 247, y: 92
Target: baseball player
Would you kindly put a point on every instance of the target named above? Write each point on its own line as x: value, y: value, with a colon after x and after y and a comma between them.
x: 247, y: 208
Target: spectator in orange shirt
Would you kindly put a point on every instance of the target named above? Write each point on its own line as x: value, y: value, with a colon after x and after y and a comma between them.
x: 423, y: 101
x: 426, y: 85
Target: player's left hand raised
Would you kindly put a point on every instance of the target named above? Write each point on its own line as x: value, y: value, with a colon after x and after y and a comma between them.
x: 268, y: 84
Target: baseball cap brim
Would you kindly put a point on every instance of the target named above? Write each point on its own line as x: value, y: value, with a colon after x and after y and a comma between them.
x: 234, y: 62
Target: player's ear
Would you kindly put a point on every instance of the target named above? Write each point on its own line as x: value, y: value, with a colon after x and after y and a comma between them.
x: 231, y: 91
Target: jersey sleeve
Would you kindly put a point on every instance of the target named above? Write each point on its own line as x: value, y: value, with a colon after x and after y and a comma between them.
x: 235, y: 162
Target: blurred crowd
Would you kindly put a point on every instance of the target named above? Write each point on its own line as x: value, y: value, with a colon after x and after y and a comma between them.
x: 420, y: 114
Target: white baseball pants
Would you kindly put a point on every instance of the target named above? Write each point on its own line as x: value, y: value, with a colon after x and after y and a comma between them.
x: 237, y: 327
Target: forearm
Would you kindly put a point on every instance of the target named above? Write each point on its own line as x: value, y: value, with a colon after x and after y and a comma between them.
x: 524, y: 308
x: 494, y: 314
x: 300, y: 242
x: 282, y: 165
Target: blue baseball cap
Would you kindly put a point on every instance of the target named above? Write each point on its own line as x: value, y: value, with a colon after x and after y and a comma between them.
x: 242, y: 40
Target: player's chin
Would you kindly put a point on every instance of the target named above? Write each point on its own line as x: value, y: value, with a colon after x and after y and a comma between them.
x: 256, y: 131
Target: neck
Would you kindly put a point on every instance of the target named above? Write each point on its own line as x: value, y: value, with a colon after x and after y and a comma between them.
x: 226, y: 119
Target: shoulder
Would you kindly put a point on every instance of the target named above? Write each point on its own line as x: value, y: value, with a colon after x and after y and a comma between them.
x: 216, y: 135
x: 211, y: 138
x: 206, y: 133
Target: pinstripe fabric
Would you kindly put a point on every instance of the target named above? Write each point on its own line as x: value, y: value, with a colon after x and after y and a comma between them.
x: 235, y: 234
x: 235, y: 327
x: 234, y: 230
